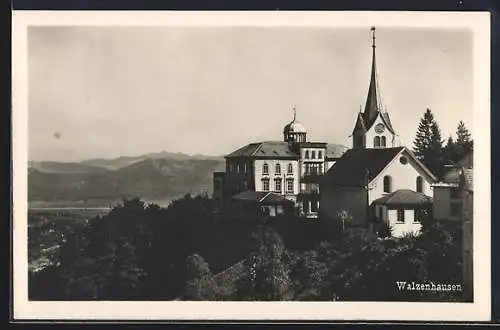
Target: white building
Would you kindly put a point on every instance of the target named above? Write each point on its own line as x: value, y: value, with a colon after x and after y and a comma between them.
x: 383, y: 184
x: 290, y: 168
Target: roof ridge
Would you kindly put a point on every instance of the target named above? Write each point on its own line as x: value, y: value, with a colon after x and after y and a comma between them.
x: 265, y: 196
x: 257, y: 149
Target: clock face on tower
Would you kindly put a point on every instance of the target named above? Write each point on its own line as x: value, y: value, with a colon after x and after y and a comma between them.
x: 379, y: 128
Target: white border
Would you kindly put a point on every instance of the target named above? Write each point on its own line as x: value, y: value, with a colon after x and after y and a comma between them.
x: 478, y: 22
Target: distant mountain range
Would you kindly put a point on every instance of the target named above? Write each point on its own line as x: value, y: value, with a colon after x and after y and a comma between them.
x: 154, y: 176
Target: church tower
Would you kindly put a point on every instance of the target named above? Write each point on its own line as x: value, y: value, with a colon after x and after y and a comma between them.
x: 373, y: 128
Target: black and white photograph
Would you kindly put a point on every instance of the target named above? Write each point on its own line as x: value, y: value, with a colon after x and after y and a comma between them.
x: 271, y: 159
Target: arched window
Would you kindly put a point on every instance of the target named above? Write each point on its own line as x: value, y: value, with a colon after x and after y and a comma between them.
x: 387, y: 184
x: 420, y: 184
x: 277, y: 185
x: 383, y: 141
x: 376, y: 142
x: 320, y: 154
x: 278, y: 169
x: 290, y: 169
x: 306, y: 156
x: 265, y: 169
x: 313, y: 154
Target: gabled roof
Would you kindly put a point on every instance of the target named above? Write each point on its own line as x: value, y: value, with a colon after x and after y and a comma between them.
x: 261, y: 197
x: 358, y: 165
x: 404, y: 197
x: 281, y: 149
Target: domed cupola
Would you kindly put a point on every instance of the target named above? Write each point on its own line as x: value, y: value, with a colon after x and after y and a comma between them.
x: 295, y: 131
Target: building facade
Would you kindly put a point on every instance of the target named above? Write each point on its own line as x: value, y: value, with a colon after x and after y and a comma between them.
x: 290, y: 168
x: 377, y: 184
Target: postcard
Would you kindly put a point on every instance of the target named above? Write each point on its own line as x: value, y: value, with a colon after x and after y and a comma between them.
x: 251, y: 166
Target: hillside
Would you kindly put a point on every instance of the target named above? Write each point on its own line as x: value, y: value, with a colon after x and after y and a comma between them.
x: 62, y: 167
x: 116, y: 163
x: 149, y: 178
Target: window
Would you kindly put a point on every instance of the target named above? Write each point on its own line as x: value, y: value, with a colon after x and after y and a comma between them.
x: 418, y: 216
x: 313, y: 154
x: 320, y: 154
x: 245, y: 169
x: 278, y: 169
x: 245, y: 185
x: 230, y: 168
x: 277, y: 185
x: 305, y: 206
x: 387, y: 184
x: 382, y: 141
x: 420, y: 184
x: 289, y: 185
x: 314, y: 206
x: 455, y: 209
x: 454, y: 192
x: 306, y: 155
x: 237, y: 168
x: 401, y: 216
x: 376, y: 141
x: 265, y: 184
x: 265, y: 169
x: 290, y: 169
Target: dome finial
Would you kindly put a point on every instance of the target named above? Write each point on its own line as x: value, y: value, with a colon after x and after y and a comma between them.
x: 294, y: 112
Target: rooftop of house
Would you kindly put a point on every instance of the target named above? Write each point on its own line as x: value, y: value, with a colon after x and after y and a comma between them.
x: 281, y: 149
x: 359, y: 166
x: 404, y: 198
x: 261, y: 197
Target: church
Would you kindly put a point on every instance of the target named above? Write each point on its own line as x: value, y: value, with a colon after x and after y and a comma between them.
x: 374, y: 179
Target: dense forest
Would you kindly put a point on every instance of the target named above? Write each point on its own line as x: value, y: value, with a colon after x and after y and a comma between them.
x: 140, y: 251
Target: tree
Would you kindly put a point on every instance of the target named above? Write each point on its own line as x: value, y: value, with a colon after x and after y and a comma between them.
x: 267, y: 268
x: 428, y: 144
x: 450, y: 152
x: 200, y: 284
x: 464, y: 142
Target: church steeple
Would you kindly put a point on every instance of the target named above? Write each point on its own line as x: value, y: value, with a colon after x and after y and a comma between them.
x: 372, y: 106
x: 373, y: 128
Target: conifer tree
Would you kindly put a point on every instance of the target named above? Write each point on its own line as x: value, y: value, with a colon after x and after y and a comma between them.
x: 428, y: 144
x: 464, y: 141
x: 450, y: 153
x: 422, y: 139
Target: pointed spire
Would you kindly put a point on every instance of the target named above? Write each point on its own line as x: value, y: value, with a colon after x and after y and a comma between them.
x: 372, y: 106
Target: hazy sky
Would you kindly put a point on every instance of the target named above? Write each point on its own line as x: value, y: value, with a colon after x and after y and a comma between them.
x: 111, y: 91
